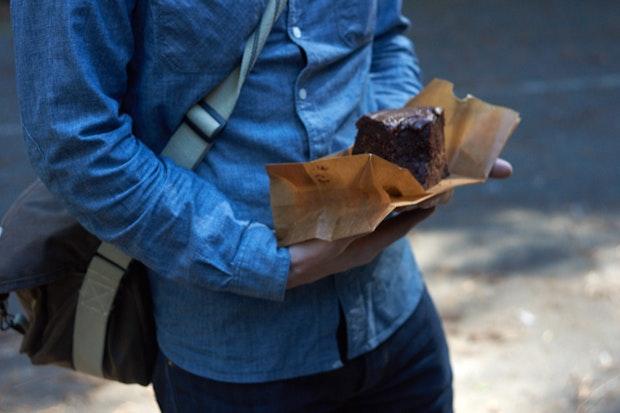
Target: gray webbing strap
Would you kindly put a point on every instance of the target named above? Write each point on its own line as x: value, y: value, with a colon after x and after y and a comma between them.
x: 91, y: 318
x: 187, y: 148
x: 193, y: 139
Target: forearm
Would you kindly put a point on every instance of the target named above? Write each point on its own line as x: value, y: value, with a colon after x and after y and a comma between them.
x: 72, y: 77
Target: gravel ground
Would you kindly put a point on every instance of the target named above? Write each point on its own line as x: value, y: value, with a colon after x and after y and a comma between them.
x: 524, y: 272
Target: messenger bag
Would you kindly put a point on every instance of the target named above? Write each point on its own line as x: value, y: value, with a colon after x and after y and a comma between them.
x: 87, y: 304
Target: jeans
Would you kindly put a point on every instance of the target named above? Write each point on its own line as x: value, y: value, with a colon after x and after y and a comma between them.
x: 409, y: 372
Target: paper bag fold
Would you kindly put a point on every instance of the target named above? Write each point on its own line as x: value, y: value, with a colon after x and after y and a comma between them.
x: 346, y: 195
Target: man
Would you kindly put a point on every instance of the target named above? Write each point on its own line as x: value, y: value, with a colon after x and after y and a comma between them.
x: 242, y: 324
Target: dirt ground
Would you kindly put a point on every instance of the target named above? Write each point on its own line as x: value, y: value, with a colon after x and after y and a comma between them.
x: 526, y: 272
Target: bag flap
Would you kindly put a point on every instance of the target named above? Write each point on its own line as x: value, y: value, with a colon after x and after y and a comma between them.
x: 40, y: 241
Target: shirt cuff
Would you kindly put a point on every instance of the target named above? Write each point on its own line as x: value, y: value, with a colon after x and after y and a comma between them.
x: 261, y: 267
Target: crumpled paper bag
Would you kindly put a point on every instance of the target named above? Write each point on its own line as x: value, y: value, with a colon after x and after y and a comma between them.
x: 343, y: 195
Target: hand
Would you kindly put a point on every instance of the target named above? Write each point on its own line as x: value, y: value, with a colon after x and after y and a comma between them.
x: 315, y: 259
x: 501, y: 169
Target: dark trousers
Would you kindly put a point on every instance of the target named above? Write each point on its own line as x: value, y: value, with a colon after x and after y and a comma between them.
x: 410, y: 372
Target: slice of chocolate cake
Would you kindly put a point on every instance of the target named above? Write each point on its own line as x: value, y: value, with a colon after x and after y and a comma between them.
x: 411, y: 138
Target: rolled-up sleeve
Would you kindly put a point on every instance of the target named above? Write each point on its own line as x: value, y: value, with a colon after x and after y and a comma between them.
x: 395, y: 71
x: 73, y: 59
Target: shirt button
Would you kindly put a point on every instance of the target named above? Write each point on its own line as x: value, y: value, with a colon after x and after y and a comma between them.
x: 303, y: 94
x: 297, y: 32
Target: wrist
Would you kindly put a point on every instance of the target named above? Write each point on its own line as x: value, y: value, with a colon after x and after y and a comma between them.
x: 293, y: 270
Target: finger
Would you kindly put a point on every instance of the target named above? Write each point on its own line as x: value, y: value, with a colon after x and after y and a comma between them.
x: 392, y: 230
x: 400, y: 224
x: 342, y: 244
x: 501, y: 169
x: 320, y: 249
x: 442, y: 198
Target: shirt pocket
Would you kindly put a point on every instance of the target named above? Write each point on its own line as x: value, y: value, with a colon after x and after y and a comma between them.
x: 357, y: 20
x: 199, y: 36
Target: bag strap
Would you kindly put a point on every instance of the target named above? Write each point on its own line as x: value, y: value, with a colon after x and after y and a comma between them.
x: 187, y: 147
x: 193, y: 139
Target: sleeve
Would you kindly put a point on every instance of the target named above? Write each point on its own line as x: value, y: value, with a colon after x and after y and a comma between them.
x: 395, y: 71
x: 72, y: 62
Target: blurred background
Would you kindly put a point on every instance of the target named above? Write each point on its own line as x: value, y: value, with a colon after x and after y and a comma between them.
x: 525, y: 272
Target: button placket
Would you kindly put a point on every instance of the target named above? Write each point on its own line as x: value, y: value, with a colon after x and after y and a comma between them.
x: 304, y: 104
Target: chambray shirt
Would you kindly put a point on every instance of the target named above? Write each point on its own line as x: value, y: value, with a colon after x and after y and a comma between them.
x: 104, y: 84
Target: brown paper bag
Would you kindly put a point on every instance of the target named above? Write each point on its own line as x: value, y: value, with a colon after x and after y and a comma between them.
x: 344, y: 195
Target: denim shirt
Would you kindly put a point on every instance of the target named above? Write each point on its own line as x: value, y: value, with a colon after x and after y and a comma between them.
x: 103, y: 85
